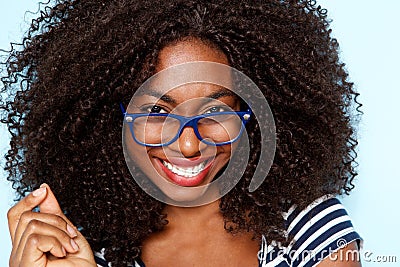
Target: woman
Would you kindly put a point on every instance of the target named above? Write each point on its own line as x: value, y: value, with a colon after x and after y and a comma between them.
x: 81, y: 60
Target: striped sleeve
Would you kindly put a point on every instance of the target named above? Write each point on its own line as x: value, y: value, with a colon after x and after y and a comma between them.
x: 318, y: 231
x: 99, y: 258
x: 101, y: 262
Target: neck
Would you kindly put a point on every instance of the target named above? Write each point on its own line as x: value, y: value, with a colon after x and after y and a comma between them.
x: 192, y: 216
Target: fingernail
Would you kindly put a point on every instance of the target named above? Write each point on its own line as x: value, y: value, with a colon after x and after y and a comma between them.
x: 40, y: 191
x: 71, y: 231
x: 74, y: 244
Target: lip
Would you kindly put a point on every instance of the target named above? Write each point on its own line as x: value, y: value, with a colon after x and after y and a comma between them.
x: 186, y: 162
x: 186, y: 181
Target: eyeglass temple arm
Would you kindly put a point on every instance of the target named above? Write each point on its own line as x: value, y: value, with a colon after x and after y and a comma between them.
x: 122, y: 109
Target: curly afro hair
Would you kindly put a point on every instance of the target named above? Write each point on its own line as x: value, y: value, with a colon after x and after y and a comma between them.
x: 81, y: 58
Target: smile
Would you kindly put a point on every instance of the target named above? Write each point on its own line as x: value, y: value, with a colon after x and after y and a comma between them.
x: 184, y: 172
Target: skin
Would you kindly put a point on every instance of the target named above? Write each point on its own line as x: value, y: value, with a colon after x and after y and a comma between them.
x: 186, y: 100
x: 33, y: 234
x: 194, y: 236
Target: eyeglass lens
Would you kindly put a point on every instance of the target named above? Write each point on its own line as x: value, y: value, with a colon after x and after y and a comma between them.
x: 218, y: 128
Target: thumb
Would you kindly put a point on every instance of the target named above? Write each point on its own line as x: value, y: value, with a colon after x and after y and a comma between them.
x: 50, y: 204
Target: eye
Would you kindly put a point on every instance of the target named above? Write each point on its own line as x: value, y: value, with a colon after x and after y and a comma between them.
x: 153, y: 109
x: 216, y: 109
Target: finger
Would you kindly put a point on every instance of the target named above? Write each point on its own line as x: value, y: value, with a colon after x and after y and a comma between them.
x: 26, y: 204
x: 34, y: 252
x: 37, y: 228
x: 50, y: 203
x: 50, y: 206
x: 54, y: 220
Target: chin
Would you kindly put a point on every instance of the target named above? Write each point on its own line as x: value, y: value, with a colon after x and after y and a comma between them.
x: 185, y: 194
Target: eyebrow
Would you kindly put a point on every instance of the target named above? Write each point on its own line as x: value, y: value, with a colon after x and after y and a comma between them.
x: 170, y: 100
x: 164, y: 97
x: 221, y: 93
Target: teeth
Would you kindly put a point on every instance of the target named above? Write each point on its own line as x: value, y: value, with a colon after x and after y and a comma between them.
x: 185, y: 172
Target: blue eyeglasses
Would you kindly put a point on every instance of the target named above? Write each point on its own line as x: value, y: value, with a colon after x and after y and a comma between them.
x: 162, y: 129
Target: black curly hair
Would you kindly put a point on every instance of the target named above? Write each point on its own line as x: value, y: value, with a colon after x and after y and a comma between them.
x: 81, y: 58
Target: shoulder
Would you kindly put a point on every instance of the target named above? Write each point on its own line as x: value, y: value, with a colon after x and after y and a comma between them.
x: 314, y: 233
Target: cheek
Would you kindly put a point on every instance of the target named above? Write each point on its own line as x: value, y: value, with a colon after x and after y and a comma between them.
x: 230, y: 149
x: 224, y: 153
x: 227, y: 152
x: 137, y: 153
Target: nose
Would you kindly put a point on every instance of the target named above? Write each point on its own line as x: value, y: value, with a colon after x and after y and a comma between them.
x: 188, y: 144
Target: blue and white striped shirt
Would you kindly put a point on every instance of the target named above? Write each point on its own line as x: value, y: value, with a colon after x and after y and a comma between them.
x: 314, y: 232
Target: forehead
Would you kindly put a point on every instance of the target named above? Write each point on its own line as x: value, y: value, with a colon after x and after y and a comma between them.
x: 188, y: 70
x: 189, y: 50
x: 178, y: 58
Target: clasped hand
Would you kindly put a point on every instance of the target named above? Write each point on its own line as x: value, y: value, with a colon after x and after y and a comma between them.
x: 46, y: 238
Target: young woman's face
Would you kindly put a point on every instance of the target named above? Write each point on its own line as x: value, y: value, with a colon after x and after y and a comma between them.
x: 187, y: 162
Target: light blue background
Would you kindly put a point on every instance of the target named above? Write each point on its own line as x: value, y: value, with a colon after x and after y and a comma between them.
x: 369, y: 38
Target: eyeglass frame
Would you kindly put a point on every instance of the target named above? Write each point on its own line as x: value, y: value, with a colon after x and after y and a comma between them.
x: 184, y: 122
